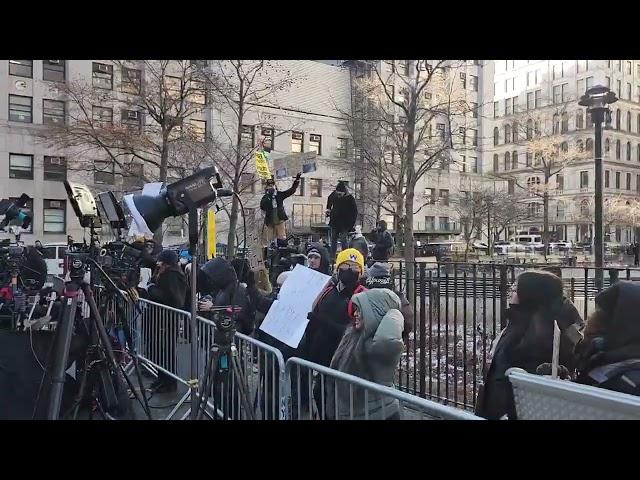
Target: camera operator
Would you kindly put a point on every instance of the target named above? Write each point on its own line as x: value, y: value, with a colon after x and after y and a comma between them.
x: 168, y: 287
x: 272, y: 204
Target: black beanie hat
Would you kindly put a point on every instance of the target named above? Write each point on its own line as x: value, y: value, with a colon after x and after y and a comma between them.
x: 169, y: 257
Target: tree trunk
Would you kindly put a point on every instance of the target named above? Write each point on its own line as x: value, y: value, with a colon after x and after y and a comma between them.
x: 545, y: 219
x: 399, y: 224
x: 409, y: 251
x: 233, y: 222
x: 235, y: 206
x: 164, y: 162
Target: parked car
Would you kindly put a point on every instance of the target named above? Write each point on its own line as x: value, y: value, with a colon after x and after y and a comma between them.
x: 561, y: 246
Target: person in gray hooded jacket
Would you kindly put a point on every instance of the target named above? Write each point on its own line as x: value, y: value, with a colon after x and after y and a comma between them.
x: 371, y: 349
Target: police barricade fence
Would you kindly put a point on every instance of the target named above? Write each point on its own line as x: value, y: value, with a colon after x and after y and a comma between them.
x: 542, y: 398
x: 327, y: 394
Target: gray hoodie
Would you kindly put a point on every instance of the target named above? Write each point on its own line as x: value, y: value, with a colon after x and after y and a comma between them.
x: 373, y: 353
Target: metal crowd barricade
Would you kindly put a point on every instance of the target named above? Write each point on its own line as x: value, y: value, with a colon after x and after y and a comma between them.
x: 263, y: 369
x: 542, y: 398
x: 340, y: 396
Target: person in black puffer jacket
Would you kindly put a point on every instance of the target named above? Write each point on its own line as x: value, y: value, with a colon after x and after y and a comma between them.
x: 609, y: 355
x: 342, y: 211
x: 384, y: 242
x: 168, y: 287
x: 527, y: 340
x: 272, y: 204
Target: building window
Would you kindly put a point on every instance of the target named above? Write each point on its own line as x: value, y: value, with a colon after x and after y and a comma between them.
x: 618, y: 180
x: 638, y: 152
x: 619, y: 65
x: 444, y: 196
x: 557, y: 94
x: 20, y: 109
x: 474, y: 164
x: 53, y: 70
x: 297, y: 142
x: 629, y: 95
x: 560, y: 209
x: 406, y: 67
x: 463, y: 80
x: 268, y: 135
x: 103, y: 172
x: 342, y: 146
x: 198, y: 129
x: 507, y: 106
x: 496, y: 136
x: 580, y: 145
x: 619, y: 88
x: 628, y: 181
x: 514, y: 160
x: 247, y: 137
x: 565, y: 92
x: 441, y: 131
x: 315, y: 143
x: 628, y: 67
x: 131, y: 81
x: 537, y: 159
x: 507, y: 161
x: 638, y: 123
x: 559, y: 183
x: 102, y: 116
x: 55, y: 216
x: 474, y: 110
x: 131, y: 119
x: 507, y: 133
x: 538, y: 98
x: 581, y: 86
x: 637, y: 183
x: 628, y: 121
x: 430, y: 223
x: 463, y: 135
x: 606, y: 178
x: 511, y: 186
x: 21, y: 68
x: 53, y: 112
x: 579, y: 120
x: 607, y: 81
x: 629, y: 151
x: 617, y: 149
x: 21, y: 166
x: 444, y: 224
x: 300, y: 191
x: 584, y: 179
x: 529, y: 159
x: 555, y: 126
x: 564, y: 127
x: 618, y: 119
x: 607, y: 147
x: 473, y: 81
x: 247, y: 183
x: 315, y: 187
x: 102, y: 75
x: 55, y: 168
x: 529, y: 130
x: 133, y: 175
x: 430, y: 194
x: 27, y: 209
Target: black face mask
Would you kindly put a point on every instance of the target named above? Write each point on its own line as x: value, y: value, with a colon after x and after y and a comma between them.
x: 349, y: 278
x: 271, y: 191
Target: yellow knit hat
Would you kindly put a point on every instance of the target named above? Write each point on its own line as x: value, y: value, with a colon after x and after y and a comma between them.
x: 350, y: 254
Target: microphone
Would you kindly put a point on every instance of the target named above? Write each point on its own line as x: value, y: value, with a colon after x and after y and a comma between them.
x: 224, y: 192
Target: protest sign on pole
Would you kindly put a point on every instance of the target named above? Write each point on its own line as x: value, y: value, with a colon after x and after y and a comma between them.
x: 290, y: 165
x: 262, y: 165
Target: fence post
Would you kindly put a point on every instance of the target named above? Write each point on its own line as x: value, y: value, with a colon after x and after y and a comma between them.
x: 503, y: 295
x: 423, y: 340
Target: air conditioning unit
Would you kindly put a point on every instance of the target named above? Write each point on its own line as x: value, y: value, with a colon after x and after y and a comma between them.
x: 54, y: 62
x: 55, y: 160
x: 54, y: 204
x: 132, y: 115
x: 103, y: 68
x: 314, y: 138
x: 297, y: 135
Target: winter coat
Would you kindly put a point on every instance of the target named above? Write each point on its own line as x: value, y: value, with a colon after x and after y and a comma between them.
x: 610, y: 352
x: 325, y: 265
x: 343, y: 211
x: 526, y: 342
x: 360, y: 244
x: 170, y: 288
x: 384, y: 244
x: 328, y: 321
x: 379, y: 276
x: 266, y: 204
x: 373, y: 353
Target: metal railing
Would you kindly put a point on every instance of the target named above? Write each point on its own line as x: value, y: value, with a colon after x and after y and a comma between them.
x: 459, y: 309
x: 542, y: 398
x: 333, y: 395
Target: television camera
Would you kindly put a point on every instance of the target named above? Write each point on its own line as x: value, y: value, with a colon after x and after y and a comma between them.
x: 284, y: 256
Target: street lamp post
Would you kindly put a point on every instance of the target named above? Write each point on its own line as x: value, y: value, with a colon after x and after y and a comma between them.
x: 597, y: 99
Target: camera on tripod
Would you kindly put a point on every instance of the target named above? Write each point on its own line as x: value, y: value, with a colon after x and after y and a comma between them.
x: 283, y: 256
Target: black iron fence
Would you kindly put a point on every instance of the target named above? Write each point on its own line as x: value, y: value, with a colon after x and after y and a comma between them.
x: 459, y: 310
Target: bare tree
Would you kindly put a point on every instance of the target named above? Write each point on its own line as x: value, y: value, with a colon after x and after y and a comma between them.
x: 153, y: 102
x: 238, y: 89
x: 547, y: 154
x: 404, y: 99
x: 509, y: 210
x: 471, y: 208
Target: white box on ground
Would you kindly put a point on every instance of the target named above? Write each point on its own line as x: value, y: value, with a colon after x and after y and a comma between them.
x: 286, y: 320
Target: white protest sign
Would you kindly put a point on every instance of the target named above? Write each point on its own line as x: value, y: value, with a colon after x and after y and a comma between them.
x: 287, y: 317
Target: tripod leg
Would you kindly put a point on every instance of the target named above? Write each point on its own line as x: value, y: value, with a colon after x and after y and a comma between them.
x: 214, y: 358
x: 240, y: 381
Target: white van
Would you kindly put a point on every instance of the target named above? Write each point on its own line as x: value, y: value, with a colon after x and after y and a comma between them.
x: 532, y: 241
x: 54, y: 258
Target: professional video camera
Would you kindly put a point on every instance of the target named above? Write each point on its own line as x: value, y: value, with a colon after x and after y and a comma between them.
x: 282, y: 257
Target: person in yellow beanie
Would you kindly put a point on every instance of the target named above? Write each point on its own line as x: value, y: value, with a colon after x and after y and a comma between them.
x: 329, y: 317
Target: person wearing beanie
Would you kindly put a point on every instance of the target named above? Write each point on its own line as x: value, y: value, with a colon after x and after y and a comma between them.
x: 383, y: 240
x: 371, y: 349
x: 329, y: 316
x: 342, y: 211
x: 527, y: 341
x: 318, y: 258
x: 609, y: 355
x: 359, y: 242
x: 378, y: 275
x: 168, y: 287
